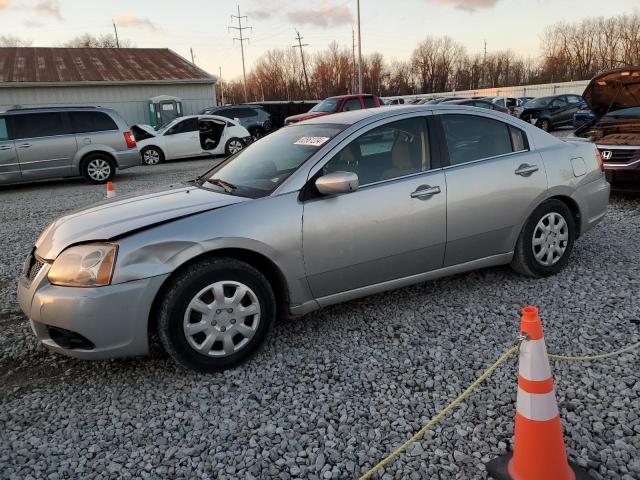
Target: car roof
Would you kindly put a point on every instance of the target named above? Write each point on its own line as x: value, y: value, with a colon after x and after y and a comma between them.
x: 68, y: 108
x: 355, y: 116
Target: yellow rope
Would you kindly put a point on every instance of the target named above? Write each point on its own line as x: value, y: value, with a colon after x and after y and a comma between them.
x: 503, y: 358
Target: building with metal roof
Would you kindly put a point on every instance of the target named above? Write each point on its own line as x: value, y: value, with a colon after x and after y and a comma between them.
x: 120, y: 78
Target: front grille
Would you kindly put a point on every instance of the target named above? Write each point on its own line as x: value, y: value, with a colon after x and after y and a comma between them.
x: 621, y: 155
x: 36, y: 266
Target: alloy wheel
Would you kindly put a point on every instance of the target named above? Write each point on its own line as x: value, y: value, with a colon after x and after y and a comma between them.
x: 550, y: 239
x: 221, y: 318
x: 151, y: 156
x: 235, y: 146
x: 99, y: 169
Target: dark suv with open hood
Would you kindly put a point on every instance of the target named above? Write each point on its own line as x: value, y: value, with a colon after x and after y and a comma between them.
x: 614, y: 99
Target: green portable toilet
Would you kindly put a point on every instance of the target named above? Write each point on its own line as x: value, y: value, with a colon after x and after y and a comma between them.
x: 162, y: 109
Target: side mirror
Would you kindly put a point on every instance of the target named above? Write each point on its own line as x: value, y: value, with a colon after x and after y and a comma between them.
x: 337, y: 182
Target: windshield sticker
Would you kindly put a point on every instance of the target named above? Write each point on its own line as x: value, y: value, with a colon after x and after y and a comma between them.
x: 312, y: 141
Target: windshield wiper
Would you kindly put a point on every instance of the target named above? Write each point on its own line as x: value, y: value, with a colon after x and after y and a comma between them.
x: 228, y: 187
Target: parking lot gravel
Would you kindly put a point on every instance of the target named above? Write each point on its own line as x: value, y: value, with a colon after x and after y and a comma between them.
x: 335, y: 391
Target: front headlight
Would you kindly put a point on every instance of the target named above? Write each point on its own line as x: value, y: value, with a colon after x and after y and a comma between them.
x: 88, y: 265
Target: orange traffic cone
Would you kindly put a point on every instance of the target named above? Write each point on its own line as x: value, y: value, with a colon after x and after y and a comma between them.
x: 111, y: 191
x: 538, y: 448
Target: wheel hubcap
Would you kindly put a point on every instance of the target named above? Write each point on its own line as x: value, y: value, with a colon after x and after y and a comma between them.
x: 151, y: 157
x: 235, y: 146
x: 221, y: 318
x: 550, y: 239
x: 99, y: 169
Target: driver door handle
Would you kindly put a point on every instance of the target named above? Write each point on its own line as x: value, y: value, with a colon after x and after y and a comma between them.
x: 424, y: 191
x: 24, y: 145
x: 525, y: 170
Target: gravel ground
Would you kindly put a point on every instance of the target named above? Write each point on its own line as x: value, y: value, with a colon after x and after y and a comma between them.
x: 335, y: 391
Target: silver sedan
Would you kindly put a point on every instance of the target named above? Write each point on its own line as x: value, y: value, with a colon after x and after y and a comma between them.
x: 317, y: 213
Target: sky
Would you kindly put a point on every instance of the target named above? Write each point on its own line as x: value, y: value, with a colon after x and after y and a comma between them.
x: 392, y: 28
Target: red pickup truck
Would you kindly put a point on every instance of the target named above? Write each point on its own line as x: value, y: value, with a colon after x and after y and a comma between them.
x: 340, y: 103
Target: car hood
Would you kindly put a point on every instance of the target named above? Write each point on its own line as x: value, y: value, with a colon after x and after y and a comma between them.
x: 143, y: 132
x: 127, y: 213
x: 306, y: 116
x: 613, y: 90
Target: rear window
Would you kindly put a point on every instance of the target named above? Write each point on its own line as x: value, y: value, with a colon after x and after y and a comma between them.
x: 33, y: 125
x: 86, y: 122
x: 471, y: 137
x: 369, y: 102
x: 3, y: 130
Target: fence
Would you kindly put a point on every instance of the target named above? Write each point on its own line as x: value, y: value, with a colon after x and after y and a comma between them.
x: 517, y: 91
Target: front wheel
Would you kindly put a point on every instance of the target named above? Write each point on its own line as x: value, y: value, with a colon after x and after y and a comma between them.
x: 152, y: 155
x: 233, y: 146
x: 545, y: 125
x: 216, y: 314
x: 546, y: 241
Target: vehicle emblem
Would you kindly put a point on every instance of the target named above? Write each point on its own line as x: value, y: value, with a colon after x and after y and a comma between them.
x: 607, y: 154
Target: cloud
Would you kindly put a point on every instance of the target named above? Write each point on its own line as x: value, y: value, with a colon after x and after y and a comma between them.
x: 468, y: 5
x: 32, y: 24
x: 4, y: 4
x: 258, y: 14
x: 128, y: 20
x: 328, y: 15
x: 49, y: 8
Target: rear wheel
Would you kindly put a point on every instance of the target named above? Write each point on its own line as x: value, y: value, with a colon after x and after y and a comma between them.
x: 233, y: 146
x: 98, y: 168
x: 546, y: 241
x: 152, y: 155
x: 216, y: 314
x: 545, y: 125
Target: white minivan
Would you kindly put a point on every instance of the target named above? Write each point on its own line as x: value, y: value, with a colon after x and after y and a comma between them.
x: 191, y: 136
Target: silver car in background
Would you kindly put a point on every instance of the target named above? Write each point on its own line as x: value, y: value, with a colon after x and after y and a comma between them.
x: 55, y: 142
x: 317, y: 213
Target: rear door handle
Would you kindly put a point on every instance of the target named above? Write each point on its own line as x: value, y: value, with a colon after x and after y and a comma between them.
x: 525, y: 170
x: 425, y: 191
x: 6, y: 147
x: 24, y: 145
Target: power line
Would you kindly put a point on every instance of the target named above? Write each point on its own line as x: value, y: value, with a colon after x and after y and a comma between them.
x: 304, y: 67
x: 242, y: 39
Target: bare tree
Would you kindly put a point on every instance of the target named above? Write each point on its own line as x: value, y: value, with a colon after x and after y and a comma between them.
x: 13, y: 41
x: 88, y: 40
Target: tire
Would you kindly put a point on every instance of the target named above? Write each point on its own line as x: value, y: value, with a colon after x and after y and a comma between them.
x: 544, y: 125
x: 98, y: 168
x: 563, y: 237
x: 152, y: 155
x: 216, y: 342
x: 232, y: 145
x: 256, y: 133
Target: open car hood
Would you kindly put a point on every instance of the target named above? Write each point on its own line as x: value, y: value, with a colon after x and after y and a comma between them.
x: 613, y: 90
x: 142, y: 132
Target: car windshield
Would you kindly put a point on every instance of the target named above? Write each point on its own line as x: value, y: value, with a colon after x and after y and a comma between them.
x: 260, y: 168
x: 163, y: 128
x: 538, y: 102
x: 329, y: 105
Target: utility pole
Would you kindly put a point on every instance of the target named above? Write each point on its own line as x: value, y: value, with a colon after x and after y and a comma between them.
x: 242, y: 39
x: 221, y: 87
x: 304, y: 67
x: 359, y: 51
x: 353, y: 55
x: 115, y: 29
x: 193, y: 59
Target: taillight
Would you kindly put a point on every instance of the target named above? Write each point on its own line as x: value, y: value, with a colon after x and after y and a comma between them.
x: 128, y: 137
x: 600, y: 161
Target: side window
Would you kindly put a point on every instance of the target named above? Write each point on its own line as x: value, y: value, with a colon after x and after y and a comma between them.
x: 500, y: 102
x: 512, y: 102
x: 85, y: 122
x: 559, y: 102
x: 484, y: 105
x: 351, y: 104
x: 188, y: 125
x: 369, y: 102
x: 574, y: 99
x: 518, y: 139
x: 33, y: 125
x: 4, y: 135
x: 389, y: 151
x: 471, y: 137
